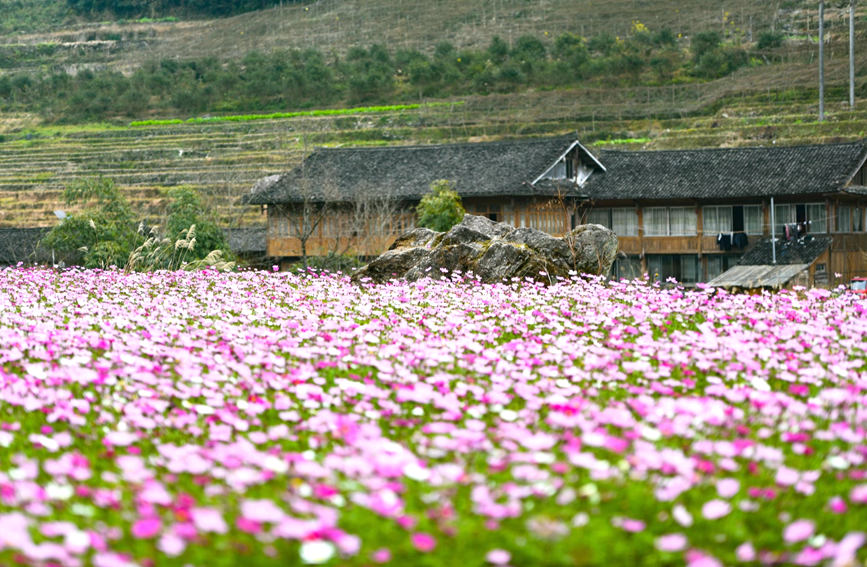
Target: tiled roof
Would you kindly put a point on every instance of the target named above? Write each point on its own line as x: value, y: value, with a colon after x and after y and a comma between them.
x: 803, y: 250
x: 726, y: 172
x: 22, y: 245
x: 246, y: 240
x: 496, y: 169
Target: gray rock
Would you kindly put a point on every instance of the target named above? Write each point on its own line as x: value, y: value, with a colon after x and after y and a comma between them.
x: 494, y: 252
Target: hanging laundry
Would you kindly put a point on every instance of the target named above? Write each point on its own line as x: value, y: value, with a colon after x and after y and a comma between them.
x: 740, y: 240
x: 724, y: 241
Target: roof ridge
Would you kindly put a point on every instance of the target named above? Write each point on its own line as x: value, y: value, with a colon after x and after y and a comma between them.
x: 549, y: 139
x: 862, y: 142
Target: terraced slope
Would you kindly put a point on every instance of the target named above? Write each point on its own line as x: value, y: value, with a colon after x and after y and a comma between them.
x: 223, y: 160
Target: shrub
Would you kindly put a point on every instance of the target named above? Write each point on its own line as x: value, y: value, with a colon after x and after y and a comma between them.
x: 704, y: 43
x: 770, y: 40
x: 440, y: 209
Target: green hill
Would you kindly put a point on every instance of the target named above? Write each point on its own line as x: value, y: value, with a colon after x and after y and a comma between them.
x: 770, y: 99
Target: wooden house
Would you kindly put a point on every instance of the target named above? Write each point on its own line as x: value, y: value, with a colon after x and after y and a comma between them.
x: 695, y: 214
x: 359, y: 199
x: 686, y: 214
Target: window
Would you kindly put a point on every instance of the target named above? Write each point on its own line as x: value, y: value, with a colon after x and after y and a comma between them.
x: 600, y: 216
x: 492, y: 211
x: 812, y: 217
x: 688, y: 268
x: 278, y: 223
x: 681, y: 267
x: 627, y: 268
x: 858, y: 220
x: 622, y: 220
x: 717, y: 219
x: 844, y: 218
x: 783, y: 215
x: 718, y: 263
x: 656, y: 221
x: 731, y: 218
x: 670, y: 221
x: 817, y: 218
x: 753, y: 219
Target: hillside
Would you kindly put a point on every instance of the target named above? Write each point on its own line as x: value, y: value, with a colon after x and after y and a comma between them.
x: 772, y: 101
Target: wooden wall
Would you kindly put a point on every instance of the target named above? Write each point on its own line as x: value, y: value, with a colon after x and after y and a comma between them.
x: 340, y: 233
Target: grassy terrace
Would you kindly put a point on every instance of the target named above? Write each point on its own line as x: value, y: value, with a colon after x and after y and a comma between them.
x: 223, y: 159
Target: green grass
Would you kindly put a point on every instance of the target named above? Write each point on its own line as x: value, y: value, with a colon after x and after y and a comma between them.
x: 282, y: 115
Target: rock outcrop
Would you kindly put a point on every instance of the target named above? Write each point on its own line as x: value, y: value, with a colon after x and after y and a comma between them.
x: 494, y: 252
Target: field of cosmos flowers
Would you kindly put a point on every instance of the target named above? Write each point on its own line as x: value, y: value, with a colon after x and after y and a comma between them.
x: 264, y: 418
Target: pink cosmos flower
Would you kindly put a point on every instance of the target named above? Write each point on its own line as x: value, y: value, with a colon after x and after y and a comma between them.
x: 715, y: 509
x: 423, y: 541
x: 745, y: 552
x: 498, y: 557
x: 798, y: 530
x: 837, y: 505
x: 208, y: 520
x: 727, y: 487
x: 171, y: 545
x: 671, y: 542
x: 632, y: 525
x: 261, y: 511
x: 146, y: 528
x: 858, y: 494
x: 381, y: 555
x: 848, y: 547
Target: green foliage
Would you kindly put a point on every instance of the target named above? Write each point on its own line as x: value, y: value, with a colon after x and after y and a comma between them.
x: 705, y: 42
x: 603, y: 44
x: 770, y: 40
x: 148, y: 9
x: 720, y: 62
x: 711, y: 59
x: 185, y: 210
x: 440, y: 209
x: 273, y: 84
x: 31, y: 15
x: 158, y: 253
x: 102, y: 234
x: 498, y: 50
x: 105, y: 232
x: 278, y: 115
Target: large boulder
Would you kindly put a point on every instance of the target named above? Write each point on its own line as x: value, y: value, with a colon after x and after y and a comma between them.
x: 494, y: 252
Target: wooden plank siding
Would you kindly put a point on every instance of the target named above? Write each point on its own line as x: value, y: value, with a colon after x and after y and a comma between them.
x: 847, y: 255
x: 335, y: 233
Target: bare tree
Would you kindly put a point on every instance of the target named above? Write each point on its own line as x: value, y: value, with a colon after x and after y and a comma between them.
x: 366, y: 224
x: 306, y: 216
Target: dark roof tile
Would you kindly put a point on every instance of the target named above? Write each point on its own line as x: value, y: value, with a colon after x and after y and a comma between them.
x: 726, y: 172
x: 22, y: 245
x: 803, y: 250
x: 505, y: 168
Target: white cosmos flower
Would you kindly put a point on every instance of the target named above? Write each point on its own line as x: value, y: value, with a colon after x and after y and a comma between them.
x: 316, y: 552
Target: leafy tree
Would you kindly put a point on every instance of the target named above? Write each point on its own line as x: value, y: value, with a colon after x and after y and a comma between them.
x: 603, y: 44
x: 770, y: 39
x: 664, y: 38
x: 440, y: 209
x: 498, y: 50
x: 185, y: 210
x: 529, y: 52
x: 703, y: 43
x: 103, y: 234
x: 106, y: 232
